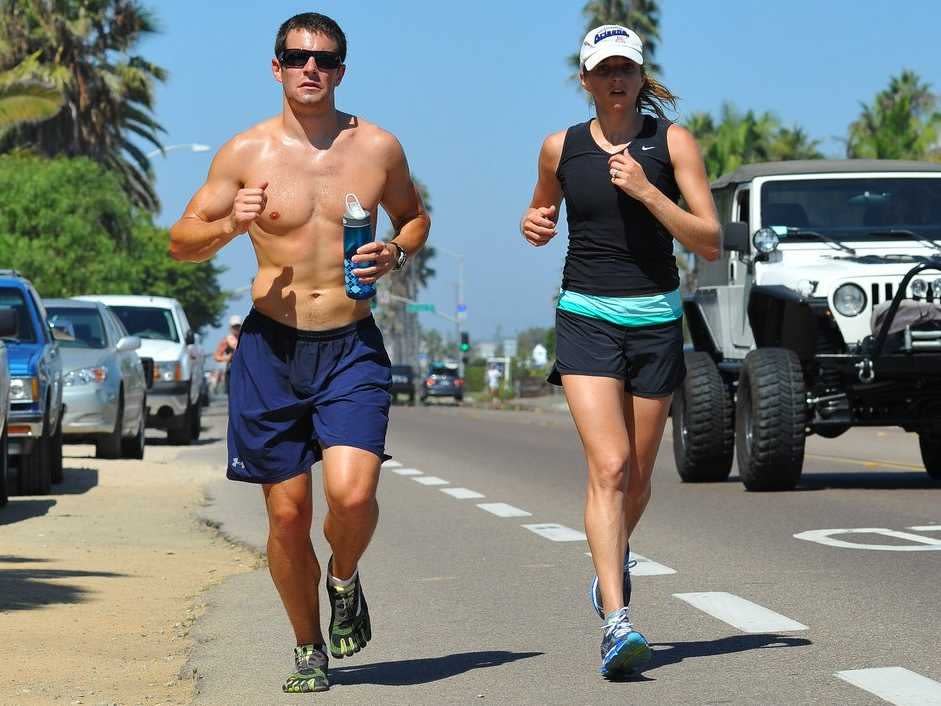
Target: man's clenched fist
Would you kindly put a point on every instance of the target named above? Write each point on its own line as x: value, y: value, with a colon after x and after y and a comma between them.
x: 248, y: 205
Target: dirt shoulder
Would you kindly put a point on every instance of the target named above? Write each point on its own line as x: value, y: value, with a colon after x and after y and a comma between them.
x: 100, y: 581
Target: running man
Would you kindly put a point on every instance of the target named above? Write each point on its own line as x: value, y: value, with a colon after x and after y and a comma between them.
x: 310, y: 378
x: 619, y: 317
x: 226, y: 348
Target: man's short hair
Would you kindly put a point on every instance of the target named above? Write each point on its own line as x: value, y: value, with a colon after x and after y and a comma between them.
x: 312, y: 22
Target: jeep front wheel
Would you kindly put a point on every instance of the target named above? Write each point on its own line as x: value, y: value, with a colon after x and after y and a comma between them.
x: 931, y: 453
x: 771, y: 418
x: 703, y: 431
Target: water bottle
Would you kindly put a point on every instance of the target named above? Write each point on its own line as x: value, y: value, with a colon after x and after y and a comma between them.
x: 357, y: 232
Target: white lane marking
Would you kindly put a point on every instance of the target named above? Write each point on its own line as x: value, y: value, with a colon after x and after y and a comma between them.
x: 647, y: 567
x: 503, y: 510
x: 462, y: 493
x: 391, y: 464
x: 896, y: 685
x: 430, y: 480
x: 557, y: 533
x: 926, y: 528
x: 407, y: 471
x: 739, y: 612
x: 825, y: 536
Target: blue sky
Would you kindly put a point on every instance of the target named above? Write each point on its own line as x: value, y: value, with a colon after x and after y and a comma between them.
x: 471, y: 89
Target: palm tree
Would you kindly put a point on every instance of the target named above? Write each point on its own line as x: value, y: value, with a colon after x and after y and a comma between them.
x: 901, y: 123
x: 643, y: 16
x: 84, y: 47
x: 25, y: 97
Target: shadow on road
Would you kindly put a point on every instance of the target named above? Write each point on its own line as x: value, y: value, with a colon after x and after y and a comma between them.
x: 666, y: 653
x: 871, y: 480
x: 76, y: 481
x: 201, y: 441
x: 26, y: 589
x: 410, y: 672
x: 19, y: 509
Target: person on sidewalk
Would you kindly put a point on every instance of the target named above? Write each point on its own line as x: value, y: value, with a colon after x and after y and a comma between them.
x: 311, y: 377
x: 619, y: 317
x: 493, y: 384
x: 226, y: 348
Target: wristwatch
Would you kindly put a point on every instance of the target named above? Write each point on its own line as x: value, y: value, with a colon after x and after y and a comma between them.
x: 400, y: 259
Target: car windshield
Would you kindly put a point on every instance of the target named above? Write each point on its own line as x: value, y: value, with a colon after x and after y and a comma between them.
x: 437, y: 370
x: 77, y: 328
x: 147, y: 322
x: 864, y: 209
x: 13, y: 299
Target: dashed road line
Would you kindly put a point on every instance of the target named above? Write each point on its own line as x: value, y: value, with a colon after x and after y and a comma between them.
x: 647, y: 567
x: 740, y: 613
x: 557, y: 533
x: 503, y: 510
x: 407, y: 471
x: 430, y: 480
x: 896, y: 685
x: 462, y: 493
x: 391, y: 464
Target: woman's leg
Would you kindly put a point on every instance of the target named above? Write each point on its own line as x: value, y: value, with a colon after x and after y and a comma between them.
x: 597, y: 406
x: 644, y: 418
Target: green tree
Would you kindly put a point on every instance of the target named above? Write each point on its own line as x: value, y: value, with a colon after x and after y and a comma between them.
x: 85, y: 49
x: 67, y: 225
x: 642, y: 16
x: 902, y: 122
x: 25, y: 97
x: 737, y: 139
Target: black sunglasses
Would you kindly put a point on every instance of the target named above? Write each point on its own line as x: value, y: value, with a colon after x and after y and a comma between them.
x: 298, y: 58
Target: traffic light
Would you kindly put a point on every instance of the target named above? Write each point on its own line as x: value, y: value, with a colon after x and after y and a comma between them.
x: 465, y: 341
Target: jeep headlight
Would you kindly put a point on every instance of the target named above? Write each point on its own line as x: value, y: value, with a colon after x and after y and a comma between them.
x: 849, y: 299
x: 765, y: 240
x: 919, y: 288
x: 936, y: 289
x: 85, y: 376
x: 168, y: 372
x: 24, y: 389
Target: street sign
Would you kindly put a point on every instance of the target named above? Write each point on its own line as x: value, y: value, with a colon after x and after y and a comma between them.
x: 419, y: 307
x: 462, y: 308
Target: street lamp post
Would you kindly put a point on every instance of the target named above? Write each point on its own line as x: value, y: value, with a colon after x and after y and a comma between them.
x: 461, y: 310
x: 191, y: 146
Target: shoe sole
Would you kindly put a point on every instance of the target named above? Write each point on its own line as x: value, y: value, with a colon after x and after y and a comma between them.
x: 626, y: 658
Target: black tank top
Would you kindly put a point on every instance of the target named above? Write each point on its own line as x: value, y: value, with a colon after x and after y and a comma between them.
x: 616, y: 246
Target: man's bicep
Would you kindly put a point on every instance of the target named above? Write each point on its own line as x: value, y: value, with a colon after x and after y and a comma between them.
x: 400, y: 198
x: 214, y: 199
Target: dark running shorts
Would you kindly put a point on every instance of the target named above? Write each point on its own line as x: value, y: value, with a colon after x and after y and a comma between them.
x: 648, y: 359
x: 293, y: 393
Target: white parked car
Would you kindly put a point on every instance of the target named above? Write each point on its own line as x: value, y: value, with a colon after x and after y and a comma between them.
x: 169, y: 340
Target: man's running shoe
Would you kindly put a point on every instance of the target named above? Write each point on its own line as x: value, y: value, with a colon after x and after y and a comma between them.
x: 349, y: 618
x: 594, y: 592
x: 310, y: 662
x: 624, y: 651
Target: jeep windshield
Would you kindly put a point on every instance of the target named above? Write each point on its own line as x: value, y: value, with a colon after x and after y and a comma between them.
x: 11, y: 298
x: 858, y: 210
x: 147, y: 322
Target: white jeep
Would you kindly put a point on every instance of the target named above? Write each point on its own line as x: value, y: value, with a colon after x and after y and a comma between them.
x: 823, y: 313
x: 168, y: 339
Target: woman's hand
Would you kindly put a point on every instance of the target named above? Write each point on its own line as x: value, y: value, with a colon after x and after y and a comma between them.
x: 628, y: 175
x: 538, y: 225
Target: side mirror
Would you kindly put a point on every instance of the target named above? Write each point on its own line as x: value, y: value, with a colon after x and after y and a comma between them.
x: 8, y: 322
x: 735, y: 237
x: 190, y: 337
x: 128, y: 343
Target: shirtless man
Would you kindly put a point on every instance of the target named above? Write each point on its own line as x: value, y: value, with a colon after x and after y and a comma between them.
x: 310, y: 378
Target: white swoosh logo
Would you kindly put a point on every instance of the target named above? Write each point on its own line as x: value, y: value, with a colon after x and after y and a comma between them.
x: 648, y: 148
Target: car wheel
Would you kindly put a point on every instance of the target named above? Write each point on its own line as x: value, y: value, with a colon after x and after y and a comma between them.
x: 134, y: 446
x: 931, y: 453
x: 109, y: 446
x: 34, y: 475
x: 182, y: 434
x: 771, y: 419
x: 197, y: 422
x: 411, y: 400
x: 703, y: 431
x: 56, y: 453
x: 4, y: 467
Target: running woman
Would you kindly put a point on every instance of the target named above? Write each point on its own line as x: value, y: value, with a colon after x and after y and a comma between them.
x: 310, y: 377
x: 619, y: 317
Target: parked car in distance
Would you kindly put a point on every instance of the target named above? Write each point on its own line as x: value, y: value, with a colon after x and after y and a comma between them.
x: 443, y: 381
x: 7, y: 328
x: 34, y: 427
x: 105, y: 390
x: 167, y: 337
x: 403, y: 382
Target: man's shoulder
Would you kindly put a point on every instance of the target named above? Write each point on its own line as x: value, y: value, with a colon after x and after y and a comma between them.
x: 374, y: 137
x: 253, y: 139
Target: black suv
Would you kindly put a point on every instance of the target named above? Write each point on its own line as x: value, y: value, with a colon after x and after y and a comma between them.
x: 403, y: 382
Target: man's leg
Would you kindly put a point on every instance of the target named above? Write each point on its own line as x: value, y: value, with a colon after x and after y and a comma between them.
x: 291, y: 559
x: 350, y: 478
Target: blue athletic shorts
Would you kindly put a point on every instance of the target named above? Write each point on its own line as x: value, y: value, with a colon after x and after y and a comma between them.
x: 294, y: 393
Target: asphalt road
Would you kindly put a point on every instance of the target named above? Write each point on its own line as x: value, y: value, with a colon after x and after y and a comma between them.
x: 469, y: 606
